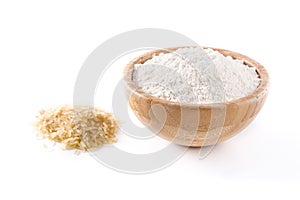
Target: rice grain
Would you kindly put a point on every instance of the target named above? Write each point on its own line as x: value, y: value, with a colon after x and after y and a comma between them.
x: 77, y: 127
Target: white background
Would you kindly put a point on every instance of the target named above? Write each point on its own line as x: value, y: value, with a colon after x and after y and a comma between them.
x: 42, y: 47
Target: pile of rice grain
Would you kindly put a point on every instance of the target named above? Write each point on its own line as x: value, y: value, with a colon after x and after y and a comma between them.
x: 78, y: 127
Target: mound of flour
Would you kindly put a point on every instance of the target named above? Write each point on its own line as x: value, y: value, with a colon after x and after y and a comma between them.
x: 195, y: 75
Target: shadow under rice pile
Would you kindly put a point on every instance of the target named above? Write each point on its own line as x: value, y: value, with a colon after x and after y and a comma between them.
x: 77, y: 127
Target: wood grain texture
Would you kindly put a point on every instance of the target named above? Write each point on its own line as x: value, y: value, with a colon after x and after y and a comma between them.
x: 196, y: 125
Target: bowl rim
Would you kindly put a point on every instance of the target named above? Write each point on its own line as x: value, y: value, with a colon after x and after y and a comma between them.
x: 260, y: 91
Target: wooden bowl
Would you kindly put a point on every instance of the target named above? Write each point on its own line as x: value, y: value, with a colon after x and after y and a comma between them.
x: 196, y: 125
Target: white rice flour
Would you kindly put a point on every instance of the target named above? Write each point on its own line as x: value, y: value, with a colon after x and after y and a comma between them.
x: 195, y: 75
